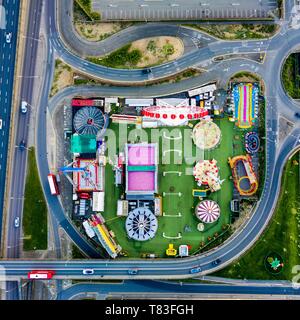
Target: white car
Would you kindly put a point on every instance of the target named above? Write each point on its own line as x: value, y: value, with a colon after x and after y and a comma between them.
x: 0, y: 123
x: 24, y: 106
x: 17, y: 222
x: 88, y: 271
x: 8, y: 37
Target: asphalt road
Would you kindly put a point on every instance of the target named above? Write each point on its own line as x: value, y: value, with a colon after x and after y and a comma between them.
x: 10, y: 19
x: 7, y: 68
x: 16, y: 194
x: 155, y: 10
x: 159, y: 289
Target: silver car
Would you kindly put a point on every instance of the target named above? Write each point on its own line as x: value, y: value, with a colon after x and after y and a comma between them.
x: 17, y: 222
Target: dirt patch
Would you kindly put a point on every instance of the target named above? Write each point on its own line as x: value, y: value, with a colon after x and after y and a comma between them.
x: 99, y: 31
x: 158, y: 50
x: 63, y: 77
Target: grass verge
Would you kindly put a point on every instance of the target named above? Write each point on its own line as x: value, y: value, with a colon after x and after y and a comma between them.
x: 290, y: 76
x: 121, y: 58
x: 281, y: 235
x: 35, y: 224
x: 237, y: 31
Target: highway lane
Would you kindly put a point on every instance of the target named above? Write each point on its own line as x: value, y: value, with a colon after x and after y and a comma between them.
x: 20, y: 156
x: 7, y: 67
x: 16, y: 194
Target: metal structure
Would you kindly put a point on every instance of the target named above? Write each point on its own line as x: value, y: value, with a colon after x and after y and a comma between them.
x: 141, y: 224
x: 88, y: 121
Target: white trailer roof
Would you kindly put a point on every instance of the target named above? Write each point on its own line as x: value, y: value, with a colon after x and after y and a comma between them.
x: 139, y: 102
x: 98, y: 201
x: 194, y: 92
x: 88, y: 229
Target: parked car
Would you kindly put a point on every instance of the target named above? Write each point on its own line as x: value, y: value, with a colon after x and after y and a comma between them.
x: 0, y: 123
x: 17, y: 222
x: 196, y: 269
x: 8, y: 37
x: 216, y: 262
x: 132, y: 271
x: 297, y: 114
x: 88, y: 271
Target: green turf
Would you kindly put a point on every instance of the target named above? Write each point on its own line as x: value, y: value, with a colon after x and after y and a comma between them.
x: 35, y: 226
x: 281, y: 235
x: 172, y: 205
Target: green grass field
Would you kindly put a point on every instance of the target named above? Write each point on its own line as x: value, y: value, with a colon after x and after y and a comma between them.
x: 35, y: 210
x: 172, y: 225
x: 281, y: 235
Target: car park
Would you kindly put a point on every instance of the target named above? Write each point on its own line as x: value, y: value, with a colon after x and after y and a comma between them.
x: 88, y: 271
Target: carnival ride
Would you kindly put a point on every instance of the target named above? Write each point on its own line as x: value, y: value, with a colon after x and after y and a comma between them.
x: 141, y: 224
x: 206, y: 135
x: 243, y: 174
x: 89, y: 121
x: 252, y: 142
x: 208, y: 211
x: 206, y: 173
x: 174, y: 116
x: 96, y: 222
x: 86, y: 174
x: 245, y: 97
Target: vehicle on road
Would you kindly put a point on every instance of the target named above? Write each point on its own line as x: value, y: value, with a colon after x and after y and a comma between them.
x: 216, y: 262
x: 17, y: 222
x: 8, y: 37
x: 22, y: 145
x: 147, y: 71
x: 24, y: 106
x: 133, y: 271
x: 53, y: 184
x: 297, y: 114
x: 41, y: 274
x: 196, y: 269
x: 88, y: 271
x: 0, y: 123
